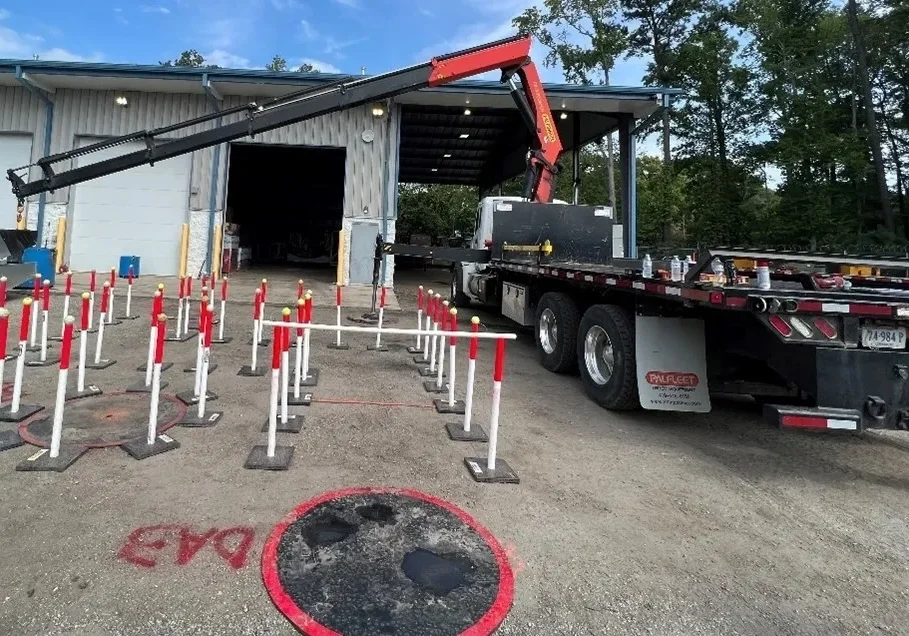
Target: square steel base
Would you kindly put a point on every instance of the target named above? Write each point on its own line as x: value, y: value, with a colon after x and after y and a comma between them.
x: 305, y: 399
x: 183, y: 337
x: 442, y: 406
x: 42, y: 461
x: 189, y: 398
x: 339, y: 347
x: 112, y: 323
x: 247, y: 371
x: 139, y: 387
x: 164, y: 367
x: 375, y: 348
x: 127, y: 317
x: 10, y: 439
x: 90, y: 391
x: 264, y: 343
x: 192, y: 420
x: 426, y: 373
x: 419, y: 350
x: 430, y: 387
x: 211, y: 369
x: 259, y: 460
x: 312, y: 379
x: 49, y: 362
x: 224, y: 340
x: 294, y: 424
x: 456, y: 433
x: 141, y: 449
x: 103, y: 364
x: 25, y: 411
x: 503, y: 474
x: 76, y: 333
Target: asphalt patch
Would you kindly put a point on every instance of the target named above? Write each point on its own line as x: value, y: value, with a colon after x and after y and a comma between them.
x: 386, y: 561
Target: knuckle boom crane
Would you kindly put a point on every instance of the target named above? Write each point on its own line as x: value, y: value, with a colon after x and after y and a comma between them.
x: 510, y: 55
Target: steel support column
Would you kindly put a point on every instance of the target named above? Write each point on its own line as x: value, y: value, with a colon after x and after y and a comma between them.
x: 37, y: 91
x: 628, y: 170
x: 214, y: 99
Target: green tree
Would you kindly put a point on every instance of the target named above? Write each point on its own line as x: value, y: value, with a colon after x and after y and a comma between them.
x: 190, y: 57
x: 307, y: 68
x: 441, y: 211
x: 277, y: 64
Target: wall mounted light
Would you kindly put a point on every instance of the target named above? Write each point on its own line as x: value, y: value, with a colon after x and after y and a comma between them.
x: 121, y: 101
x: 466, y: 111
x: 564, y: 115
x: 378, y: 110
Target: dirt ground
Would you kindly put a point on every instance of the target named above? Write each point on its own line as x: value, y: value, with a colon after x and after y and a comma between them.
x: 643, y: 523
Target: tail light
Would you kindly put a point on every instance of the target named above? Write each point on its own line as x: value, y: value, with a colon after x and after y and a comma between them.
x: 488, y: 243
x: 823, y: 325
x: 780, y: 325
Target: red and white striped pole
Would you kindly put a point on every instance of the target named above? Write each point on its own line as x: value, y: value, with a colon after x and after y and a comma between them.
x: 285, y: 364
x: 298, y: 362
x: 157, y: 310
x: 300, y: 291
x: 160, y: 330
x: 306, y: 333
x: 200, y: 345
x: 204, y: 280
x: 436, y: 304
x: 68, y: 290
x: 2, y: 291
x: 36, y: 297
x: 45, y: 316
x: 203, y: 370
x: 378, y: 346
x: 187, y: 298
x: 105, y: 299
x: 65, y: 349
x: 20, y: 360
x: 497, y: 373
x: 471, y: 374
x: 428, y: 305
x: 276, y: 352
x: 92, y: 282
x: 110, y: 308
x: 263, y: 298
x: 222, y: 310
x: 83, y: 343
x: 129, y: 293
x: 264, y: 288
x: 257, y: 326
x: 4, y: 342
x: 338, y: 301
x: 452, y: 347
x: 443, y: 327
x: 181, y: 296
x: 419, y: 317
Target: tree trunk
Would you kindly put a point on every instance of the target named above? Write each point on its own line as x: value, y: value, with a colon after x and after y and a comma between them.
x: 874, y: 138
x: 666, y: 149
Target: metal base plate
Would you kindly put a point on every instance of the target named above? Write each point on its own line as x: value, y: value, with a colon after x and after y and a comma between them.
x: 42, y: 461
x: 139, y: 387
x: 264, y: 343
x: 183, y: 337
x: 192, y: 420
x: 141, y: 449
x: 430, y: 387
x: 312, y: 379
x: 456, y: 433
x: 112, y: 323
x: 259, y: 460
x: 247, y: 371
x: 294, y: 424
x: 103, y: 364
x: 305, y: 399
x: 188, y: 398
x: 49, y: 362
x: 375, y: 348
x: 25, y: 411
x: 59, y: 338
x: 426, y: 373
x: 90, y: 391
x: 127, y: 317
x: 417, y: 358
x: 503, y: 474
x: 442, y: 406
x: 224, y: 340
x: 10, y: 439
x: 339, y: 347
x: 211, y: 369
x: 164, y: 367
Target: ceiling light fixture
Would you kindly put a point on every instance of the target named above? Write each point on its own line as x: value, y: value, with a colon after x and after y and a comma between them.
x: 447, y: 155
x: 466, y: 111
x: 435, y: 169
x: 464, y: 135
x: 564, y: 115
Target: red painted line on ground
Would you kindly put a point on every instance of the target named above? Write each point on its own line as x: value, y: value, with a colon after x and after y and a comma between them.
x: 487, y: 623
x: 415, y: 405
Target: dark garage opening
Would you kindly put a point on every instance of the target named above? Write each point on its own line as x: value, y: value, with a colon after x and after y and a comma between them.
x: 285, y: 203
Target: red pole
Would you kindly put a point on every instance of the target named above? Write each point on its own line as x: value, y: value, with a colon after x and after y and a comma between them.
x: 92, y: 281
x: 264, y: 290
x: 37, y: 292
x: 338, y: 295
x: 300, y: 288
x: 301, y: 314
x: 308, y: 308
x: 45, y: 300
x: 83, y: 316
x: 3, y: 291
x: 26, y: 319
x: 69, y: 284
x: 224, y: 288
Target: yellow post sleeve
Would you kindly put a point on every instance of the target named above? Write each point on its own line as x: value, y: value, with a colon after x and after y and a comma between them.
x: 216, y: 255
x: 21, y: 221
x: 61, y: 243
x: 342, y: 255
x: 184, y: 248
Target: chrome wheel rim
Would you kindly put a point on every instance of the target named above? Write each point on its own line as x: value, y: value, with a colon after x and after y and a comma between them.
x: 549, y: 331
x: 599, y: 355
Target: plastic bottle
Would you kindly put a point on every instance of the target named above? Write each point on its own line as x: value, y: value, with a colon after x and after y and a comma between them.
x: 763, y: 274
x: 686, y: 265
x: 675, y: 269
x: 716, y: 266
x: 647, y: 266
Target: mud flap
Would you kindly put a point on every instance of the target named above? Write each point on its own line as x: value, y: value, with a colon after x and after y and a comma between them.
x: 671, y: 364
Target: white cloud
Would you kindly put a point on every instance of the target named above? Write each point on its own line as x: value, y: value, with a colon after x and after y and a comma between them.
x: 226, y: 59
x: 335, y: 47
x: 286, y: 5
x: 426, y: 12
x: 319, y: 65
x: 157, y: 8
x: 62, y: 55
x: 4, y: 14
x: 353, y: 4
x: 16, y: 45
x: 309, y: 32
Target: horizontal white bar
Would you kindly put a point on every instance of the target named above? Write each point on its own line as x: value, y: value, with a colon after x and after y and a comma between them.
x: 483, y: 335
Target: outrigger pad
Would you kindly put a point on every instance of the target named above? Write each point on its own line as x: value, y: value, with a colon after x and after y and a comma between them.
x: 90, y: 391
x: 139, y: 387
x: 42, y: 461
x: 164, y: 367
x: 194, y: 421
x: 431, y: 387
x: 294, y: 424
x: 141, y: 449
x: 259, y: 460
x: 103, y: 364
x: 305, y: 399
x: 189, y: 398
x: 10, y: 439
x: 48, y: 362
x: 442, y: 406
x: 503, y: 474
x: 457, y: 433
x: 25, y: 411
x: 339, y: 347
x: 247, y: 371
x: 211, y: 369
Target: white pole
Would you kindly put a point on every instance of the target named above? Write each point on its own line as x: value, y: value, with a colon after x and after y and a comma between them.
x: 298, y: 367
x: 44, y: 318
x: 452, y: 346
x: 221, y: 321
x: 153, y: 409
x: 426, y: 338
x: 65, y: 312
x: 419, y: 312
x: 285, y: 384
x: 379, y: 333
x: 419, y: 326
x: 203, y: 387
x: 152, y: 338
x: 305, y: 370
x: 33, y: 329
x: 100, y: 337
x: 338, y: 322
x: 432, y: 352
x: 186, y: 314
x: 57, y: 430
x: 255, y: 344
x: 17, y: 381
x: 110, y: 307
x: 129, y: 298
x: 493, y: 426
x: 80, y: 373
x: 91, y: 308
x: 179, y: 326
x: 273, y: 411
x: 468, y: 397
x: 442, y: 328
x: 197, y: 381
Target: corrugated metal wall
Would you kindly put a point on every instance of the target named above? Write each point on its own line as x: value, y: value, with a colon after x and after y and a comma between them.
x: 22, y: 112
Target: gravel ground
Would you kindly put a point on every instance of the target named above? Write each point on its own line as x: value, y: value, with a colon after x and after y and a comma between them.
x: 622, y: 524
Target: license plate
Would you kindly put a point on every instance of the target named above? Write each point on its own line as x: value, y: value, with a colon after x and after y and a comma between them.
x: 884, y: 337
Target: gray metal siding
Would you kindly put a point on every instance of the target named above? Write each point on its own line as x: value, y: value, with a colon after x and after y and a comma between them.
x: 22, y: 112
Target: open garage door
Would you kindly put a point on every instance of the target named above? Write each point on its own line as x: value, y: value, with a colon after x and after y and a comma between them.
x: 135, y: 212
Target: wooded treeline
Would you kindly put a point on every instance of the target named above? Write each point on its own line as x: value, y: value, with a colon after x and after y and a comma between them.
x: 793, y: 128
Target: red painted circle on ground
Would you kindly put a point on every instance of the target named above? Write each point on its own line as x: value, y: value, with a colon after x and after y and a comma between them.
x: 486, y: 625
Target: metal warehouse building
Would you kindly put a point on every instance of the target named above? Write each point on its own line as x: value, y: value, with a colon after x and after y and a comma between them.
x: 288, y: 191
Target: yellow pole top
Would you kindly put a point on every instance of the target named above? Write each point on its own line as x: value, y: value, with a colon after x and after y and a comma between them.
x: 308, y: 295
x: 86, y: 295
x: 162, y: 317
x: 27, y: 300
x: 300, y: 301
x: 453, y: 311
x: 160, y: 286
x: 285, y: 311
x: 475, y: 320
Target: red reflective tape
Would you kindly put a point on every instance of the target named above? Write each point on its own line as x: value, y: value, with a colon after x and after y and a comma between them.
x: 26, y: 317
x: 873, y: 310
x: 264, y: 288
x: 474, y: 342
x: 113, y: 277
x: 203, y: 309
x: 452, y: 326
x: 157, y: 305
x: 84, y: 314
x: 810, y: 306
x: 736, y: 301
x: 338, y: 295
x: 499, y: 369
x: 276, y: 348
x: 105, y: 297
x: 129, y: 275
x: 300, y: 289
x: 257, y: 305
x: 37, y: 291
x: 286, y: 318
x: 189, y: 285
x: 45, y: 299
x: 181, y: 287
x: 204, y: 280
x: 420, y: 297
x: 803, y: 421
x: 69, y: 283
x: 4, y: 332
x: 66, y: 346
x: 309, y: 309
x: 382, y: 297
x: 92, y: 281
x: 159, y: 345
x: 209, y: 319
x: 3, y: 292
x: 443, y: 318
x: 301, y: 314
x: 223, y: 289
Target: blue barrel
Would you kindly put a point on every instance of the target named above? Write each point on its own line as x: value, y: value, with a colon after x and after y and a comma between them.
x: 43, y: 258
x: 125, y: 262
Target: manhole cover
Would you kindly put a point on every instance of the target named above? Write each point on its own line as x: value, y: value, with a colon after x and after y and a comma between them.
x: 386, y: 561
x: 104, y: 420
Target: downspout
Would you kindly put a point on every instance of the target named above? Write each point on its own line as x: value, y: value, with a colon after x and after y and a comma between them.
x: 48, y: 130
x: 213, y: 100
x: 385, y: 182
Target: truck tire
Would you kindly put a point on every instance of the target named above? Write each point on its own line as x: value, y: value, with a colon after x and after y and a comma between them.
x: 556, y: 329
x: 606, y: 359
x: 455, y: 295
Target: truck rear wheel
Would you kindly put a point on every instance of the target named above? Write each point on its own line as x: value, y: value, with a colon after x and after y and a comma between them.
x: 605, y: 357
x: 556, y: 332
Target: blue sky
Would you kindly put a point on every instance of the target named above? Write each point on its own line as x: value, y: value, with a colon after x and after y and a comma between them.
x: 333, y: 35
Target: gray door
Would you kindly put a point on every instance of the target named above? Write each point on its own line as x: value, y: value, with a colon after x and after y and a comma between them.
x: 362, y: 251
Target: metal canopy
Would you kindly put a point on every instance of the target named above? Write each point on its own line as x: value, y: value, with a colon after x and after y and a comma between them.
x: 442, y: 144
